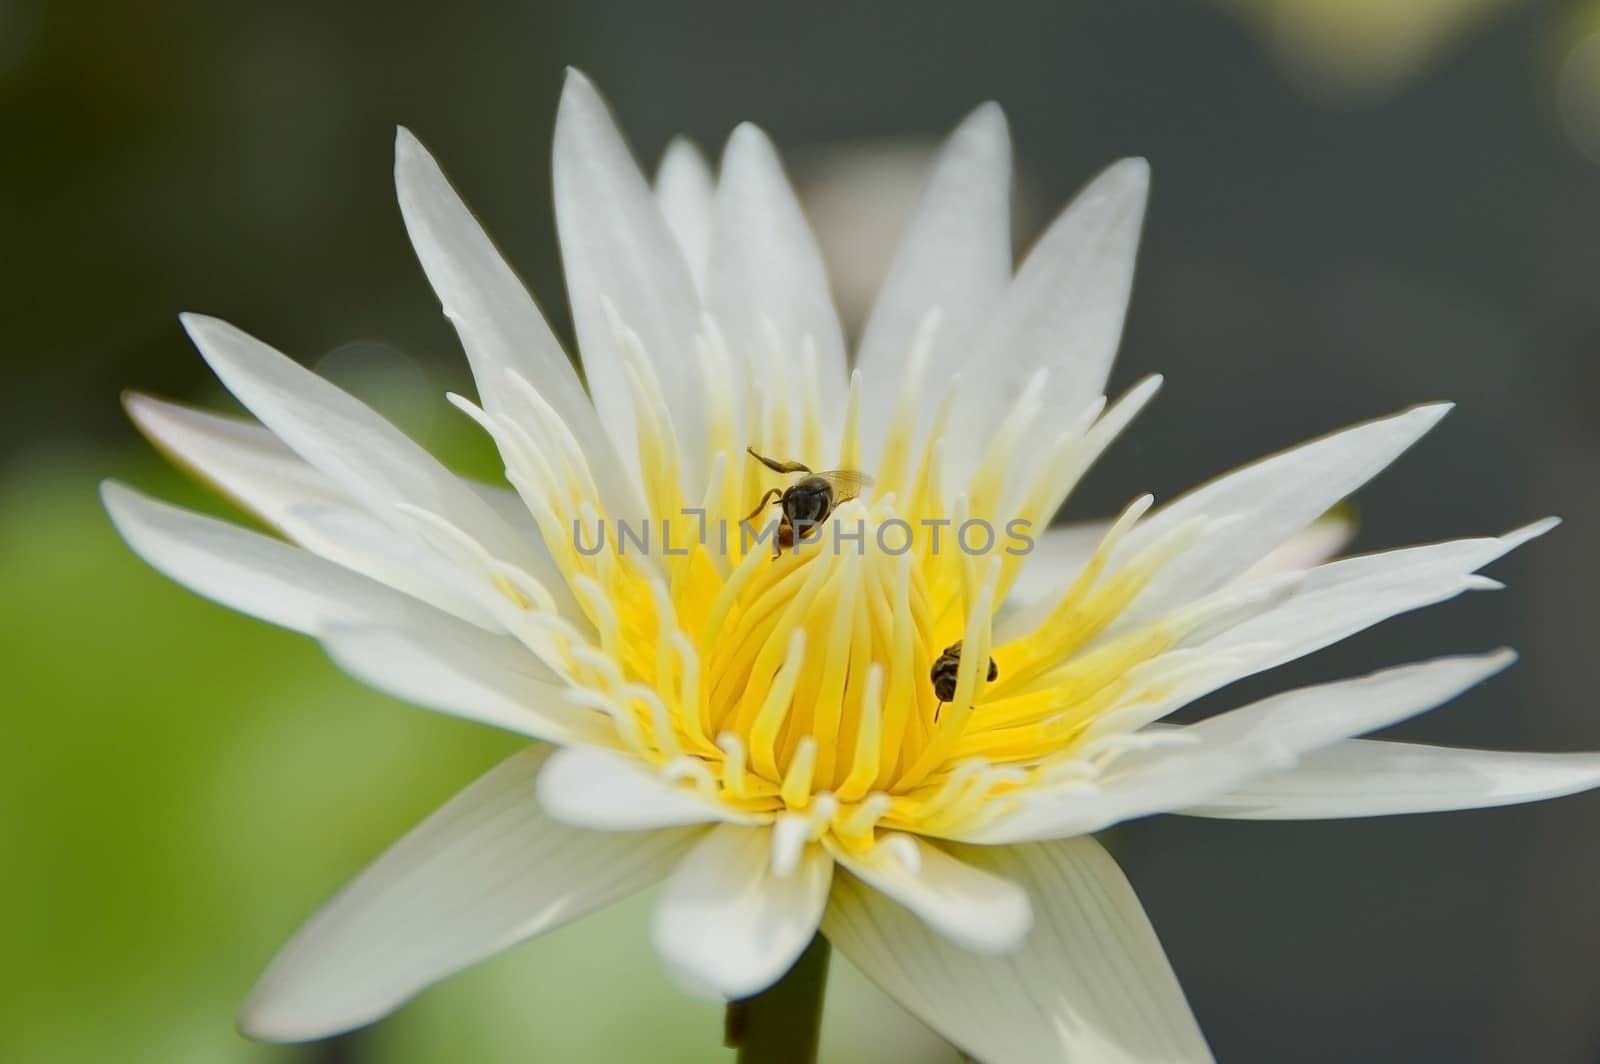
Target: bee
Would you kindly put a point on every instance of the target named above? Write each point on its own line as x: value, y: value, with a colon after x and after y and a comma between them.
x: 945, y: 671
x: 807, y: 502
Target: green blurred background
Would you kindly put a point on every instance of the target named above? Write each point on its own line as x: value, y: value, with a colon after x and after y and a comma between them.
x: 1358, y: 204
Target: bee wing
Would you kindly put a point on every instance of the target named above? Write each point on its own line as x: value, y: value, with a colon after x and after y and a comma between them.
x: 846, y: 483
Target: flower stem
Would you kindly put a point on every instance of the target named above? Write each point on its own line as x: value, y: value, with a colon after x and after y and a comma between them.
x: 781, y: 1024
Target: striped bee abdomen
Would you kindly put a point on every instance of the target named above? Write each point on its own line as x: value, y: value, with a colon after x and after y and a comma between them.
x: 947, y: 669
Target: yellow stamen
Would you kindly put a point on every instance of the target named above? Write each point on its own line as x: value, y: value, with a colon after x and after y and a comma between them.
x: 797, y: 689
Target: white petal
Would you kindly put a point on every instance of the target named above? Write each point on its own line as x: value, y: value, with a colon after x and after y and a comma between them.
x: 357, y: 540
x: 975, y: 909
x: 507, y: 503
x: 617, y: 250
x: 1226, y: 751
x: 1058, y: 555
x: 1267, y: 502
x: 241, y: 459
x: 1293, y: 615
x: 1338, y: 599
x: 258, y: 472
x: 368, y: 458
x: 487, y: 871
x: 955, y: 257
x: 1311, y: 546
x: 384, y: 637
x: 1061, y: 552
x: 257, y: 574
x: 765, y: 268
x: 1367, y: 777
x: 1290, y: 724
x: 606, y: 791
x: 1090, y: 984
x: 500, y: 325
x: 1065, y: 308
x: 686, y: 191
x: 728, y: 922
x: 253, y: 468
x: 478, y: 676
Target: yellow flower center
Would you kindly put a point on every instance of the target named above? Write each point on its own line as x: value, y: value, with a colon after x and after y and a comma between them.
x: 801, y: 683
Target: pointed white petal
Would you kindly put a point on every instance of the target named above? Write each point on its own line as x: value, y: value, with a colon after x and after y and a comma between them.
x: 1288, y: 725
x: 239, y: 458
x: 1064, y: 310
x: 1227, y: 751
x: 686, y: 191
x: 478, y: 676
x: 1311, y: 546
x: 764, y: 267
x: 1338, y: 599
x: 1293, y: 615
x: 500, y: 325
x: 617, y: 251
x: 385, y: 638
x: 487, y: 871
x: 368, y: 458
x: 354, y: 538
x: 975, y: 909
x: 726, y: 921
x: 1061, y: 552
x: 253, y: 468
x: 1267, y: 502
x: 1368, y: 777
x: 954, y: 258
x: 244, y: 461
x: 256, y: 574
x: 607, y: 791
x: 1058, y: 555
x: 1090, y: 983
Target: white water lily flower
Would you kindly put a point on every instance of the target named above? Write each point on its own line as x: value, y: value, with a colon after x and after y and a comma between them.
x: 762, y: 735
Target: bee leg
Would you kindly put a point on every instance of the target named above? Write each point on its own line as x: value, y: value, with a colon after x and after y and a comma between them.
x: 777, y: 466
x: 936, y: 710
x: 762, y: 505
x: 784, y: 539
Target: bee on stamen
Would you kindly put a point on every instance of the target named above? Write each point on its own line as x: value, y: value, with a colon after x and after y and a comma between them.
x: 806, y: 503
x: 946, y: 670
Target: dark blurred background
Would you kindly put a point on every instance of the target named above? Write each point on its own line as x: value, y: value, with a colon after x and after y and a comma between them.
x: 1358, y: 205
